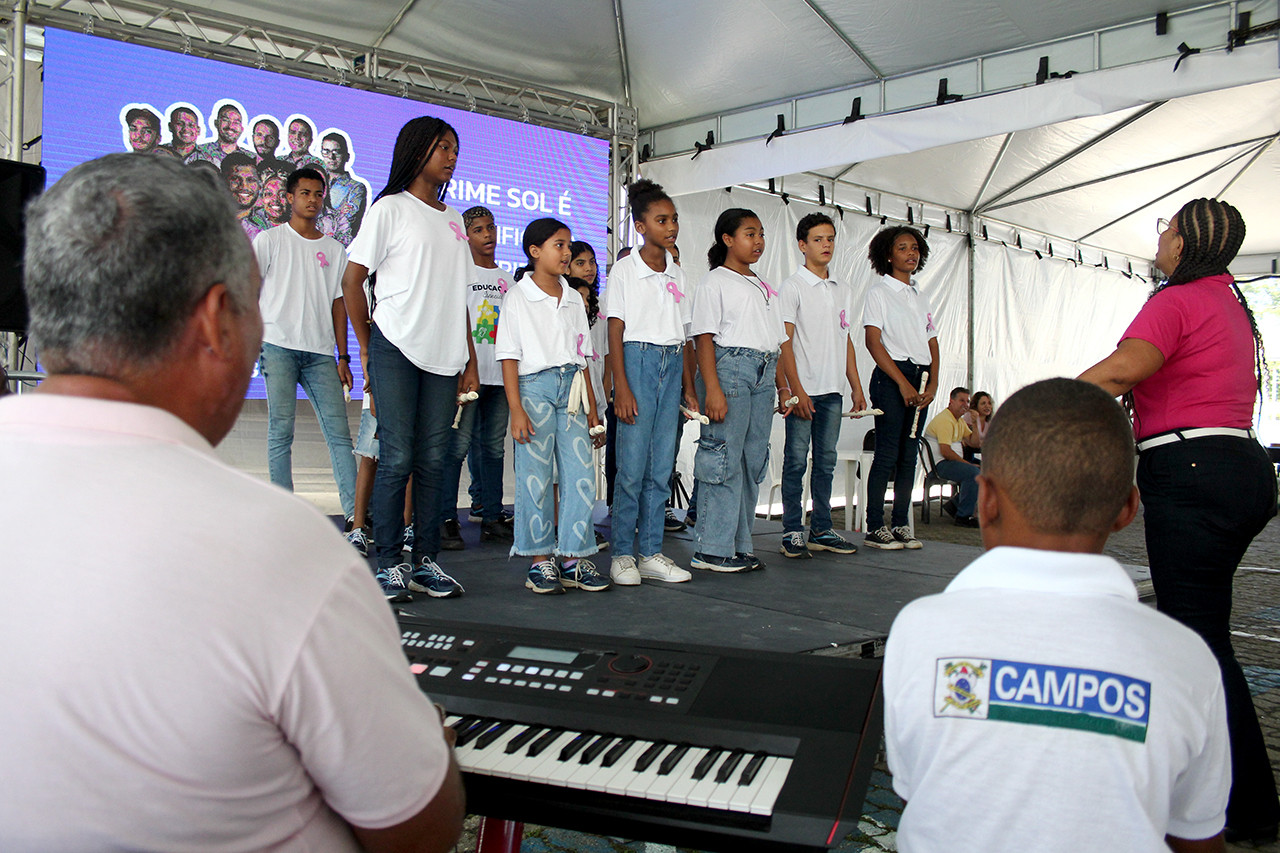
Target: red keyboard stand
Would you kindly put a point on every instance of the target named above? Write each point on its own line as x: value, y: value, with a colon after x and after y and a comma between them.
x: 499, y: 836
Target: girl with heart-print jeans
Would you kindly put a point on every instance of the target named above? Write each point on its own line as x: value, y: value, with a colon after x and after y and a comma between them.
x: 543, y: 344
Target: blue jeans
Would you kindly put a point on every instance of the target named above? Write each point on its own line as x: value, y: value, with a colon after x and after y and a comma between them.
x: 966, y: 475
x: 895, y: 448
x: 823, y: 431
x: 646, y: 449
x: 284, y: 369
x: 415, y: 416
x: 488, y: 451
x: 1203, y: 501
x: 560, y: 442
x: 733, y: 455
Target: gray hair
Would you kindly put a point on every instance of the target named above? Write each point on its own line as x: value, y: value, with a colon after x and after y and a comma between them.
x: 118, y: 254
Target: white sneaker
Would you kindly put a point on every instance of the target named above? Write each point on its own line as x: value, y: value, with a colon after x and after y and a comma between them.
x: 623, y: 571
x: 660, y: 567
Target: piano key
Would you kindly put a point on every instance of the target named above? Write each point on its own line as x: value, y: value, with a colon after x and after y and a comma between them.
x: 683, y: 781
x: 595, y: 750
x: 708, y: 761
x: 770, y: 787
x: 513, y: 762
x: 741, y: 799
x: 531, y: 768
x: 705, y: 788
x: 485, y: 759
x: 725, y: 771
x: 524, y: 737
x: 467, y: 733
x: 638, y: 782
x: 564, y: 768
x: 492, y: 734
x: 650, y: 755
x: 549, y: 737
x: 614, y: 755
x: 673, y: 757
x: 753, y: 767
x: 572, y: 747
x: 618, y: 773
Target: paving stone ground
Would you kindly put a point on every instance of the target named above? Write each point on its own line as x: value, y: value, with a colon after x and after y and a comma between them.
x: 1255, y: 623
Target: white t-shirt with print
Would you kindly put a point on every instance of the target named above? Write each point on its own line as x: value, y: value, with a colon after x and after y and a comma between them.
x: 424, y: 265
x: 738, y: 310
x: 822, y: 312
x: 539, y: 333
x: 301, y: 278
x: 484, y: 305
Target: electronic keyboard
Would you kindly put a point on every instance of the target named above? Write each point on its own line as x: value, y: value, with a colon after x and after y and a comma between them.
x: 704, y: 747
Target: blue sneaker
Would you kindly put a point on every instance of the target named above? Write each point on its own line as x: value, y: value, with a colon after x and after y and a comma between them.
x: 793, y: 546
x: 392, y: 581
x: 583, y: 575
x: 754, y: 563
x: 829, y: 540
x: 408, y: 538
x: 544, y: 579
x: 429, y: 578
x: 359, y: 540
x: 713, y: 563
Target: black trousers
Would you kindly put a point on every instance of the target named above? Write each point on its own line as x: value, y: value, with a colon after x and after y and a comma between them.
x: 1204, y: 500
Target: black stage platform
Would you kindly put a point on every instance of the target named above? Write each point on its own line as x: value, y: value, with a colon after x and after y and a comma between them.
x: 830, y: 604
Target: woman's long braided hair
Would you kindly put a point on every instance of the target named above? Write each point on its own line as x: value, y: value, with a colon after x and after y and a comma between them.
x: 1212, y: 232
x: 415, y: 144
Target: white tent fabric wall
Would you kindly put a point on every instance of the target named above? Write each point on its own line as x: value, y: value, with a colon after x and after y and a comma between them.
x: 1035, y: 319
x: 944, y: 278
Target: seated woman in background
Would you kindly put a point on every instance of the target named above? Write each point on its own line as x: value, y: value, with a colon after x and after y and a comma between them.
x: 978, y: 418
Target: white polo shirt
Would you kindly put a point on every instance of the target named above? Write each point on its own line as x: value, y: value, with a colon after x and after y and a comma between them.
x: 424, y: 265
x: 904, y: 317
x: 484, y: 305
x: 656, y: 306
x: 301, y: 278
x: 180, y: 693
x: 822, y: 312
x: 1036, y: 705
x: 738, y: 311
x: 538, y: 333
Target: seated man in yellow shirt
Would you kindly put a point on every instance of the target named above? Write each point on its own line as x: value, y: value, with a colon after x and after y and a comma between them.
x: 948, y: 435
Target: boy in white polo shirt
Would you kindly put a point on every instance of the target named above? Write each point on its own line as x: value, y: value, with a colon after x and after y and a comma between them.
x: 903, y: 341
x: 816, y: 363
x: 303, y: 317
x: 1036, y: 704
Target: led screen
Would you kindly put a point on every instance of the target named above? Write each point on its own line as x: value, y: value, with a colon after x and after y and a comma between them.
x: 103, y: 96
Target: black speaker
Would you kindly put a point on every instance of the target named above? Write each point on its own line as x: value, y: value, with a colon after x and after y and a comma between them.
x: 19, y: 182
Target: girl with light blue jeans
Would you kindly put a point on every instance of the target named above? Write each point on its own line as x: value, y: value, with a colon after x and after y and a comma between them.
x: 738, y: 328
x: 543, y: 345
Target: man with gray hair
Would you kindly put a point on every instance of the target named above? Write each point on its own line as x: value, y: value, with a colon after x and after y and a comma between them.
x: 221, y: 672
x: 1036, y: 704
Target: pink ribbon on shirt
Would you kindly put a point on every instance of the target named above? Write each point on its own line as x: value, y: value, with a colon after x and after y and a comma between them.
x: 674, y: 291
x: 767, y: 289
x: 581, y: 338
x: 457, y: 232
x: 324, y: 262
x: 844, y: 324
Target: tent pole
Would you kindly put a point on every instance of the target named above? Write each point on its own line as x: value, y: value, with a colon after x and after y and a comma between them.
x: 17, y: 104
x: 991, y: 173
x: 622, y: 53
x: 1231, y: 183
x: 969, y: 374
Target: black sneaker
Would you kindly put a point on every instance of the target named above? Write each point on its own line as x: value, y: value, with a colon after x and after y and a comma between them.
x: 494, y: 531
x: 793, y: 546
x: 474, y: 514
x: 966, y: 521
x: 713, y: 563
x: 451, y: 536
x: 671, y: 524
x: 754, y: 563
x: 691, y: 516
x: 602, y: 544
x: 908, y: 539
x: 829, y: 540
x: 883, y: 539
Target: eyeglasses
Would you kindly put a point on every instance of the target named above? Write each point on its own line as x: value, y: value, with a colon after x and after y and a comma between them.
x: 1163, y: 225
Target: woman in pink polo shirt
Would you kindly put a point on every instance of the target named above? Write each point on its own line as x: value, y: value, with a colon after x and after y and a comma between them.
x: 1192, y: 362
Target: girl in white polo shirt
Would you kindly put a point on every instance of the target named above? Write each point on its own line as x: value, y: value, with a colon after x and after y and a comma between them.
x: 543, y: 345
x: 738, y: 329
x: 649, y: 312
x: 416, y: 348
